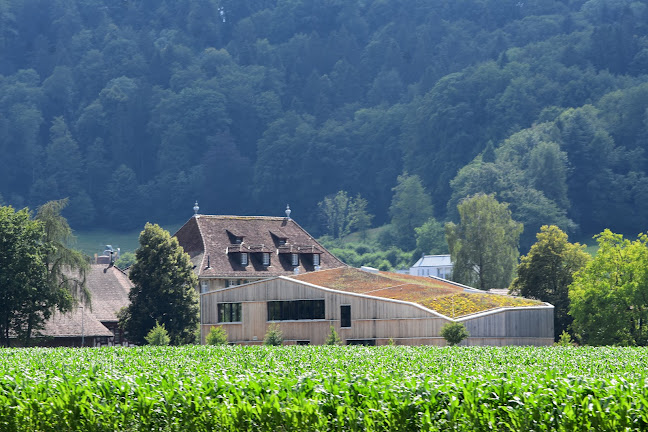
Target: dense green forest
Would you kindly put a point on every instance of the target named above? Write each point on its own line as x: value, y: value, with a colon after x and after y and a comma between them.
x: 136, y: 108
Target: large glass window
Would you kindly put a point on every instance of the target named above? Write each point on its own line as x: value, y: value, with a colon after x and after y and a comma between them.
x: 345, y: 316
x: 229, y: 312
x: 295, y: 310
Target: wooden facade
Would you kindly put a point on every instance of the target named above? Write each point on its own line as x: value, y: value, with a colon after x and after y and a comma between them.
x: 374, y: 320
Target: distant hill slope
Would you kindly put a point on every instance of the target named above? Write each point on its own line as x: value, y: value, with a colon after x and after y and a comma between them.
x: 136, y: 109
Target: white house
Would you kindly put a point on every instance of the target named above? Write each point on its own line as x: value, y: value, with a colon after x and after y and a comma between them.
x: 433, y: 265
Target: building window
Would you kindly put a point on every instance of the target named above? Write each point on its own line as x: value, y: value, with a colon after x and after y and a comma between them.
x: 294, y: 259
x: 229, y: 312
x: 266, y: 259
x: 282, y: 242
x: 295, y: 310
x: 244, y: 258
x: 204, y: 286
x: 316, y: 259
x: 345, y: 316
x: 365, y: 342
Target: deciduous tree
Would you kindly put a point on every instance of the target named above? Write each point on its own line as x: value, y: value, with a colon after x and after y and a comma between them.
x: 546, y: 272
x: 411, y: 206
x: 36, y: 271
x: 164, y: 291
x: 609, y: 296
x: 343, y: 214
x: 484, y: 245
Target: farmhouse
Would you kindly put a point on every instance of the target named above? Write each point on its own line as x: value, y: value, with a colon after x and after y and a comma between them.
x: 234, y: 250
x: 96, y: 324
x: 372, y: 309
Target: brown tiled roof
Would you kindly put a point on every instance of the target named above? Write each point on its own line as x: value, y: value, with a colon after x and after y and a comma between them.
x: 205, y: 238
x: 444, y: 297
x: 109, y: 293
x: 73, y: 325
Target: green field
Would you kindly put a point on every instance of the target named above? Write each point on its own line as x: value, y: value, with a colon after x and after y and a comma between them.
x: 323, y: 388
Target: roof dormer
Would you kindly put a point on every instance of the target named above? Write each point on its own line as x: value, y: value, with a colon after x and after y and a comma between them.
x: 235, y: 238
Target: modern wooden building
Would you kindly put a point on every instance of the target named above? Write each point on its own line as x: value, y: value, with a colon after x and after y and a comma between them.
x: 371, y: 309
x: 234, y: 250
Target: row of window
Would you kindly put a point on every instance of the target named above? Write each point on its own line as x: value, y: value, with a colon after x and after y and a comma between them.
x: 265, y: 258
x: 286, y: 310
x: 295, y: 310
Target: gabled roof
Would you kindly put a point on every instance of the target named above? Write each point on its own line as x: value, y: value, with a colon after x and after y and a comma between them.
x: 208, y: 241
x: 108, y: 293
x: 447, y: 298
x: 434, y: 261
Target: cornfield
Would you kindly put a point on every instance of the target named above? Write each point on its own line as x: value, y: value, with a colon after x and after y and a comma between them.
x: 386, y: 388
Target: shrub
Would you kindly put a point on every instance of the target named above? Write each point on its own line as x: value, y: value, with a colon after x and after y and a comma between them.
x: 454, y: 333
x: 216, y: 336
x: 333, y: 338
x: 158, y: 335
x: 565, y: 340
x: 274, y: 336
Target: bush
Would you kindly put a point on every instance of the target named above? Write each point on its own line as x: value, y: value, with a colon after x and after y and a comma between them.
x: 454, y: 333
x: 565, y: 340
x: 274, y: 336
x: 333, y: 338
x: 158, y: 335
x: 216, y: 336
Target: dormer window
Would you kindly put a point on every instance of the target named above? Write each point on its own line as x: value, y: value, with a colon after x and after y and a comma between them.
x: 282, y: 242
x: 238, y: 240
x: 244, y: 259
x: 316, y: 259
x: 266, y: 259
x: 294, y: 259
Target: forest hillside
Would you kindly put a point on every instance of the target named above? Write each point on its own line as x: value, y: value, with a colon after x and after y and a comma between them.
x: 136, y: 108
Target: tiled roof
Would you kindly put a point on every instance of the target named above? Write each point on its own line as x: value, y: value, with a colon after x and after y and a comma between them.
x: 444, y: 297
x: 108, y: 293
x: 209, y: 242
x: 75, y: 324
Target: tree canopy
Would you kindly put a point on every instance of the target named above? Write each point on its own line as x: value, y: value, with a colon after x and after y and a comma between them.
x: 164, y: 291
x: 135, y: 109
x: 484, y: 245
x: 546, y: 272
x: 38, y: 272
x: 608, y: 297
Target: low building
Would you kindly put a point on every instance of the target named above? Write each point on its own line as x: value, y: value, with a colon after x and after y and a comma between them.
x: 433, y: 265
x: 372, y: 309
x: 93, y: 325
x: 234, y: 250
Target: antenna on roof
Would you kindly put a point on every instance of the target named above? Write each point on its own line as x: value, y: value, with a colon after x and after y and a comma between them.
x: 196, y: 208
x: 288, y: 211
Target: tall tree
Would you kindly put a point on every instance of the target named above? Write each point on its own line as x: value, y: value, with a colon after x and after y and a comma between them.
x: 609, y: 297
x: 484, y: 246
x: 23, y: 274
x: 164, y: 291
x: 66, y: 267
x: 343, y: 214
x: 546, y: 272
x: 34, y: 266
x: 411, y: 206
